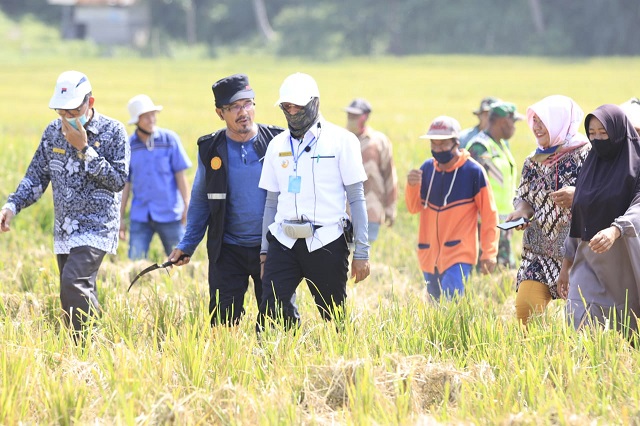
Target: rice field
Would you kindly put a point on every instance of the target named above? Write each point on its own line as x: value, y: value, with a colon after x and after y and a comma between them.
x: 153, y: 358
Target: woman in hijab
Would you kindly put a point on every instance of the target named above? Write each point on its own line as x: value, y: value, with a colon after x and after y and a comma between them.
x: 544, y: 199
x: 601, y: 267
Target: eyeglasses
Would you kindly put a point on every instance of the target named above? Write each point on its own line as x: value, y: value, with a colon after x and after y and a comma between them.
x: 235, y: 108
x: 288, y: 107
x: 75, y: 111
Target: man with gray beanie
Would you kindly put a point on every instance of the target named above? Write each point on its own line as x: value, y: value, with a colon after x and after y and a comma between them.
x: 225, y: 198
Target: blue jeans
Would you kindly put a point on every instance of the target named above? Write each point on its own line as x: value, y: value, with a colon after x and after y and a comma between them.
x: 140, y: 234
x: 449, y: 283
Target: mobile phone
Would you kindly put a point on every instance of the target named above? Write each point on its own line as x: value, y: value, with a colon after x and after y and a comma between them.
x: 513, y: 223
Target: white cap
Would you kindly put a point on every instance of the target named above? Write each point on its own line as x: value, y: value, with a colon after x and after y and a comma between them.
x: 71, y: 88
x: 298, y: 89
x: 632, y: 109
x: 443, y: 127
x: 139, y: 105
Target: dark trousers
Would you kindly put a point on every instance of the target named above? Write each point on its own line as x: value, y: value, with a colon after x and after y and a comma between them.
x: 78, y: 290
x: 229, y: 281
x: 325, y: 270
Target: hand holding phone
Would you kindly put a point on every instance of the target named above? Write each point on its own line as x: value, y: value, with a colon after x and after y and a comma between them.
x: 513, y: 223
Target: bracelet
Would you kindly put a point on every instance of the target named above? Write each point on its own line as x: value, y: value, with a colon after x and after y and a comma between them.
x: 619, y: 228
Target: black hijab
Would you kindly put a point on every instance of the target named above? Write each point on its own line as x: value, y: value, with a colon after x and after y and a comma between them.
x: 607, y: 184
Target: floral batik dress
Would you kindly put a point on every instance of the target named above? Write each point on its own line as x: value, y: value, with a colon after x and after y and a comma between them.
x: 543, y: 240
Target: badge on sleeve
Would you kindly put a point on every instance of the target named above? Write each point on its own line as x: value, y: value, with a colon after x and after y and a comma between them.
x: 216, y: 163
x: 294, y: 184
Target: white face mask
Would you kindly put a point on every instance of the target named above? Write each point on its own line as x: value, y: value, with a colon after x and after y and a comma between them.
x: 83, y: 120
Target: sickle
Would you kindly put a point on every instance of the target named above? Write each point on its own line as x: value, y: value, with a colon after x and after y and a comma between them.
x: 154, y: 267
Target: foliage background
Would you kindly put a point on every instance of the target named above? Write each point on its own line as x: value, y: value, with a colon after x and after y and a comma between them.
x: 337, y: 28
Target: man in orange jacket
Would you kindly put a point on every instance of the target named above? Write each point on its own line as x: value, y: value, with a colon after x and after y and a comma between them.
x: 450, y: 191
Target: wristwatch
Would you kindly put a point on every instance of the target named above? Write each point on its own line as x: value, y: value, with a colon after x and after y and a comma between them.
x: 619, y: 228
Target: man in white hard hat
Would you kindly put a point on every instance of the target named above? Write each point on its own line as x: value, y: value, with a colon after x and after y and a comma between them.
x: 310, y: 172
x: 84, y: 155
x: 158, y: 181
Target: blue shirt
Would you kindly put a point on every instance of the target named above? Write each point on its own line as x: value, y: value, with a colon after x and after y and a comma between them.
x: 152, y: 175
x: 198, y: 213
x: 245, y: 200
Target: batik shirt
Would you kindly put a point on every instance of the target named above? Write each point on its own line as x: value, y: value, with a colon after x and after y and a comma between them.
x: 87, y: 187
x: 543, y: 240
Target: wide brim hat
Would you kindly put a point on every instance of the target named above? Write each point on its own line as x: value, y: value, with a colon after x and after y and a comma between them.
x: 140, y: 104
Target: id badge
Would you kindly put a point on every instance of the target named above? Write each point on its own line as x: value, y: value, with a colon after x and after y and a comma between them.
x: 294, y: 184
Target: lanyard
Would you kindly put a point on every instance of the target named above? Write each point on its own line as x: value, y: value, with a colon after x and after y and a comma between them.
x: 305, y: 149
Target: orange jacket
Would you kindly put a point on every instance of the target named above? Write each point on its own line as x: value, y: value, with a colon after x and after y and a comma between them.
x: 449, y: 223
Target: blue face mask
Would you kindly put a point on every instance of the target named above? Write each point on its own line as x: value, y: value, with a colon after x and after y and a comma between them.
x: 72, y: 121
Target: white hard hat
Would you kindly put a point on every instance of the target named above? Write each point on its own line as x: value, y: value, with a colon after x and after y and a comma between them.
x: 71, y: 88
x: 139, y: 105
x: 298, y: 89
x: 632, y: 109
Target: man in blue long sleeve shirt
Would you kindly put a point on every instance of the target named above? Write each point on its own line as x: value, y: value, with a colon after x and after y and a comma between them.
x: 226, y: 200
x: 85, y: 157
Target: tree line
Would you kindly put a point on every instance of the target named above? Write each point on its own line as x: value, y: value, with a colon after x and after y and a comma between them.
x: 335, y: 28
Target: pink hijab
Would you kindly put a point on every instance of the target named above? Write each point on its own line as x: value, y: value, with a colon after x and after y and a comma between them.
x: 562, y: 117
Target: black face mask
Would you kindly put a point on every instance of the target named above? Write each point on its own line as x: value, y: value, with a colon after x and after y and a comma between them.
x: 604, y: 148
x: 445, y: 156
x: 304, y: 119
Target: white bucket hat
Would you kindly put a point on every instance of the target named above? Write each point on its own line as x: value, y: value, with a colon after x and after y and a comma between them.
x: 298, y: 89
x: 71, y: 88
x: 139, y: 105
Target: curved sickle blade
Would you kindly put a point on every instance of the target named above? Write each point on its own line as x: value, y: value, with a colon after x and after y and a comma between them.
x: 154, y: 267
x: 144, y: 271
